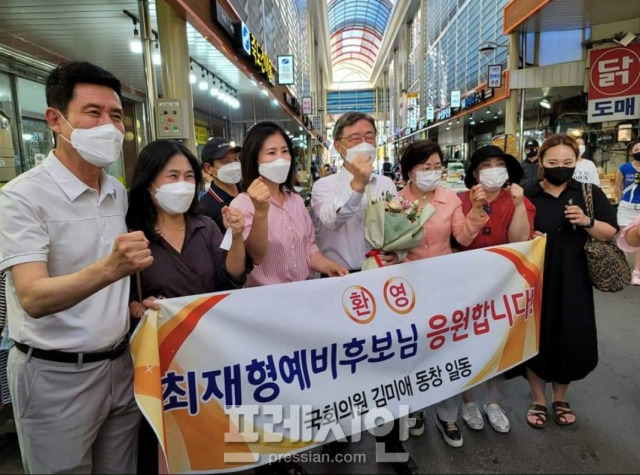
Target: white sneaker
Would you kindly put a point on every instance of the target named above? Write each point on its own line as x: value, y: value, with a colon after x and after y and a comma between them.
x: 497, y: 418
x: 472, y: 416
x: 635, y: 277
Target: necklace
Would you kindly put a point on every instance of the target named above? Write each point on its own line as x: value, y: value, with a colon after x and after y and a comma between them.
x: 181, y: 228
x: 424, y: 197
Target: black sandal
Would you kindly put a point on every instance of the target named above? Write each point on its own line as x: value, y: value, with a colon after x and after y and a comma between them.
x: 540, y: 413
x: 560, y: 411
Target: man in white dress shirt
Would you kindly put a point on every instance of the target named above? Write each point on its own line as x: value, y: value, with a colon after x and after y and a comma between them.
x: 65, y: 248
x: 339, y: 202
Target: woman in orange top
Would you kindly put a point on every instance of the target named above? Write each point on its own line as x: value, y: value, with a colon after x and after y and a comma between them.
x: 422, y: 169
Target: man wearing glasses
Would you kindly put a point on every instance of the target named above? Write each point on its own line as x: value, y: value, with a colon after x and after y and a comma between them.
x: 339, y: 202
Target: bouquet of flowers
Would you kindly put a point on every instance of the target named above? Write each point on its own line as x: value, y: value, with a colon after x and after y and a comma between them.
x: 393, y: 224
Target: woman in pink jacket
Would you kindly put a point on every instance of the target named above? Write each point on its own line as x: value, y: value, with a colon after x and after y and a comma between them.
x: 422, y: 170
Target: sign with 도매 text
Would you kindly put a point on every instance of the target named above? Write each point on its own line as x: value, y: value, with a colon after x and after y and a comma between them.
x: 230, y: 380
x: 614, y: 84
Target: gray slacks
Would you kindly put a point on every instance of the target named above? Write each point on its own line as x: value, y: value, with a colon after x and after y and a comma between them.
x: 74, y: 418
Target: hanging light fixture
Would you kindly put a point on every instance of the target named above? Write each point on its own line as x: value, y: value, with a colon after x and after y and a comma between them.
x: 214, y: 91
x: 204, y: 83
x: 222, y: 95
x: 135, y: 45
x: 488, y: 111
x: 192, y: 76
x: 545, y: 103
x: 156, y: 59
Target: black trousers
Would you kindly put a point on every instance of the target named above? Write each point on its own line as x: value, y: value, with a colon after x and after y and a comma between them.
x: 393, y: 437
x: 147, y: 449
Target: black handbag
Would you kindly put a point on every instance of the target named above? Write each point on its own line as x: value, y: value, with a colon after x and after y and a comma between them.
x: 608, y: 267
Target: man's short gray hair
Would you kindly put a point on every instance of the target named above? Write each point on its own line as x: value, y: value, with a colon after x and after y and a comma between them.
x: 349, y: 119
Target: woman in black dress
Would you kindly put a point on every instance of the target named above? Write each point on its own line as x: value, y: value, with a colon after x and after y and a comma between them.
x: 568, y: 336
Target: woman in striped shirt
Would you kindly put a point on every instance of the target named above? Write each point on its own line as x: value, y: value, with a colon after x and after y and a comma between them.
x: 279, y: 234
x: 287, y: 241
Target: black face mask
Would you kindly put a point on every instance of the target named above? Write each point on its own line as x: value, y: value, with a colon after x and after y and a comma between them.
x: 636, y: 156
x: 531, y: 153
x: 558, y: 175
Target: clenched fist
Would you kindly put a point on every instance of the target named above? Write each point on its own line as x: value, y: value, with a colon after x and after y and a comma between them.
x: 233, y: 219
x: 478, y: 197
x: 361, y: 168
x: 517, y: 194
x: 130, y: 254
x: 259, y: 194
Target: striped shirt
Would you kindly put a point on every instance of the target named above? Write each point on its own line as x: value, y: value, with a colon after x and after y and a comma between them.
x: 5, y: 397
x: 292, y: 240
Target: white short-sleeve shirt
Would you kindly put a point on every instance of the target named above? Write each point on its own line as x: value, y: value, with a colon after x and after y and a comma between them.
x: 48, y: 214
x: 586, y: 172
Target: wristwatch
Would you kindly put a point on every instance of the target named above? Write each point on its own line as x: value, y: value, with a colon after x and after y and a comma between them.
x: 590, y: 223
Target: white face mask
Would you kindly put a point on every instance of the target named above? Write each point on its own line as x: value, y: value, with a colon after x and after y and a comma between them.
x: 581, y: 149
x: 175, y: 198
x: 428, y: 180
x: 100, y: 146
x: 363, y: 148
x: 276, y: 171
x: 492, y: 179
x: 230, y: 173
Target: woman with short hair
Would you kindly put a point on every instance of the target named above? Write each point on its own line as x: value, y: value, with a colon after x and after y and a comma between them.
x: 422, y: 170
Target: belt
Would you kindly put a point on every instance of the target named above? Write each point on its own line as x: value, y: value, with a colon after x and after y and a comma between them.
x: 64, y: 357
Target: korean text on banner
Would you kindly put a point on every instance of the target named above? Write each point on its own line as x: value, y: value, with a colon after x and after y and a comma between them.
x: 229, y: 379
x: 614, y: 84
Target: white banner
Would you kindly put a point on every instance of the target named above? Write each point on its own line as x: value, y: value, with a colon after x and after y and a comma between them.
x: 430, y: 113
x: 306, y: 105
x: 455, y: 99
x: 227, y: 379
x: 285, y: 70
x: 495, y: 76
